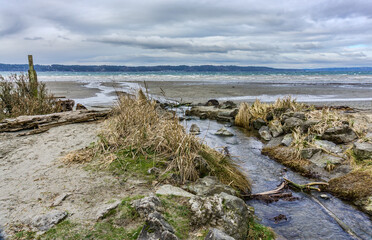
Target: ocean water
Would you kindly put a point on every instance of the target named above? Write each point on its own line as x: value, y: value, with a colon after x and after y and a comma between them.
x: 350, y: 86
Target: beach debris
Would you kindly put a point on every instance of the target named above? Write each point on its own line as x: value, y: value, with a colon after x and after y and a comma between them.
x: 66, y: 105
x: 224, y: 132
x: 324, y: 196
x: 279, y: 218
x: 40, y: 123
x: 194, y: 129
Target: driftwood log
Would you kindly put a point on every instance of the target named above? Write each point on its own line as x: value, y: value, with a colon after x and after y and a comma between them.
x: 41, y: 123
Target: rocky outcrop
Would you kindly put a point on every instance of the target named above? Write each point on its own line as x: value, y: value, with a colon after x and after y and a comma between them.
x: 216, y: 234
x: 209, y: 186
x: 147, y: 205
x: 47, y: 221
x: 172, y: 190
x: 287, y: 140
x: 258, y: 123
x: 265, y: 133
x: 292, y: 123
x: 156, y: 228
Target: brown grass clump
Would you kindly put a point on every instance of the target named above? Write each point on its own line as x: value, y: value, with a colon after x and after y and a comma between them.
x: 288, y: 157
x: 248, y: 113
x: 17, y: 99
x: 352, y: 186
x: 139, y: 126
x: 79, y: 156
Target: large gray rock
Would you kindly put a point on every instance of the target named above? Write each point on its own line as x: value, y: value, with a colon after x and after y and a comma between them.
x: 47, y: 221
x: 276, y: 128
x: 172, y: 190
x: 212, y: 102
x: 363, y: 150
x: 321, y: 159
x: 265, y: 133
x: 258, y: 123
x: 291, y: 123
x: 327, y: 145
x: 157, y: 228
x: 341, y: 134
x: 194, y: 129
x: 216, y: 234
x: 224, y: 132
x: 299, y: 115
x: 228, y: 212
x: 287, y: 140
x: 275, y: 142
x: 208, y: 186
x: 309, y: 123
x: 307, y: 153
x: 147, y: 205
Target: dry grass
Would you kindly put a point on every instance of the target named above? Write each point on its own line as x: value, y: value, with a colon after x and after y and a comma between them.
x: 16, y: 98
x: 140, y: 128
x: 248, y: 113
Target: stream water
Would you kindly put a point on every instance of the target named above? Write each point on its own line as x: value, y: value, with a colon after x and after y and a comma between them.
x: 306, y: 219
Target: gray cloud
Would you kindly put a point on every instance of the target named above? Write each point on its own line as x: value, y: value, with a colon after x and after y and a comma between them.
x: 274, y: 33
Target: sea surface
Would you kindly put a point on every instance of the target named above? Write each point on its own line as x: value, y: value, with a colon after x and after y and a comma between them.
x: 322, y: 86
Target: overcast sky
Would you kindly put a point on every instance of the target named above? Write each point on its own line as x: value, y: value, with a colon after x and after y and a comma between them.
x: 287, y: 33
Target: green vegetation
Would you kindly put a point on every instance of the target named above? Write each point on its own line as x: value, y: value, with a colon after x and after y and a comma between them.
x: 259, y: 232
x: 16, y: 98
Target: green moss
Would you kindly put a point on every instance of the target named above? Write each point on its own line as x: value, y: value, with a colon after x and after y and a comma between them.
x: 259, y: 232
x: 24, y: 235
x: 177, y: 214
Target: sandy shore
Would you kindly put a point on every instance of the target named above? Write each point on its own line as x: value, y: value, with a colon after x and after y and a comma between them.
x: 70, y: 89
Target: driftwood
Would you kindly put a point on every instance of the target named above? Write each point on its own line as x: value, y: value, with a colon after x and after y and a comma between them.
x: 305, y: 187
x: 41, y: 123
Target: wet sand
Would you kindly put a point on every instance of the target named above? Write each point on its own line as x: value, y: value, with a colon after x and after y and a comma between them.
x: 71, y: 89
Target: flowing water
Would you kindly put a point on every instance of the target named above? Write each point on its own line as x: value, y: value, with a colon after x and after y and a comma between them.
x: 306, y: 219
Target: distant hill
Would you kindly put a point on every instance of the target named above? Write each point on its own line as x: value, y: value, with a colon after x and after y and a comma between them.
x: 181, y: 68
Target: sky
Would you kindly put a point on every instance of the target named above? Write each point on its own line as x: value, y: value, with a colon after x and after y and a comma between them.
x: 273, y: 33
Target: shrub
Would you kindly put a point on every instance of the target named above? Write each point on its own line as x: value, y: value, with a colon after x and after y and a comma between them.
x: 16, y: 98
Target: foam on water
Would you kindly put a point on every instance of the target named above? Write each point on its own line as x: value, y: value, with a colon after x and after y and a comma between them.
x: 299, y: 98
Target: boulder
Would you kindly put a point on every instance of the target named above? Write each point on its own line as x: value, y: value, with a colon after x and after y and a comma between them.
x: 287, y: 140
x: 321, y: 159
x: 275, y: 142
x: 216, y: 234
x: 291, y: 123
x: 172, y: 190
x: 309, y: 123
x: 194, y: 129
x: 228, y: 212
x: 156, y: 227
x: 363, y: 150
x: 265, y: 133
x: 307, y: 153
x: 341, y: 134
x: 208, y: 186
x: 327, y: 145
x: 228, y: 105
x: 147, y: 205
x: 258, y: 123
x: 212, y: 102
x: 47, y: 221
x: 224, y: 132
x: 299, y: 115
x: 276, y: 128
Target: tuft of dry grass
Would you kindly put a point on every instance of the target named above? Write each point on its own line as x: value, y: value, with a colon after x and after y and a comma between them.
x: 17, y: 99
x: 140, y: 128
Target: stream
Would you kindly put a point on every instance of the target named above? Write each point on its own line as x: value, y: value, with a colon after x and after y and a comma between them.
x: 306, y: 219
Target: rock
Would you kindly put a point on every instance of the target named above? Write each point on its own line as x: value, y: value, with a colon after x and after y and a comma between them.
x: 299, y: 115
x: 106, y: 208
x: 327, y: 145
x: 208, y: 186
x: 224, y: 132
x: 232, y: 141
x: 321, y: 159
x: 47, y: 221
x: 276, y: 128
x: 80, y: 107
x: 147, y: 205
x: 274, y: 142
x: 324, y: 196
x: 342, y: 134
x: 309, y: 123
x: 203, y: 116
x: 292, y: 123
x: 66, y: 105
x: 228, y: 212
x: 234, y: 113
x: 228, y: 105
x: 60, y: 199
x: 157, y: 228
x: 287, y: 140
x: 194, y: 129
x: 221, y: 118
x: 172, y: 190
x: 363, y: 150
x: 265, y: 133
x: 212, y: 102
x: 216, y: 234
x: 258, y: 123
x: 307, y: 153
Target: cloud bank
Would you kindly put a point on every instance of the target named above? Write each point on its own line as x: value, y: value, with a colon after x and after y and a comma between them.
x: 292, y: 34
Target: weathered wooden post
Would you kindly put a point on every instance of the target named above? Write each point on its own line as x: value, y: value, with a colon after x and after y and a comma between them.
x: 32, y: 76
